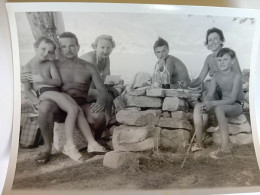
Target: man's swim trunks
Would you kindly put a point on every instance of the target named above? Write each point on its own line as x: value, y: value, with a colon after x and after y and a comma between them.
x: 40, y: 91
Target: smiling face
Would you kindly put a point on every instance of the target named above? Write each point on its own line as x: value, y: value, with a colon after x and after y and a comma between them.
x: 103, y: 48
x: 224, y: 62
x: 161, y: 52
x: 214, y: 42
x: 45, y: 51
x: 68, y: 47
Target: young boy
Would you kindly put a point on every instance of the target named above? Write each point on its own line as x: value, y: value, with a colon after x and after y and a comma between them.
x: 176, y: 69
x: 230, y: 105
x: 41, y: 75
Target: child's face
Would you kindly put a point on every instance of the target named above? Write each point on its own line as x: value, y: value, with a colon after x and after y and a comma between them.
x: 161, y: 52
x: 44, y: 51
x: 104, y: 48
x: 68, y: 47
x: 214, y: 42
x: 225, y: 62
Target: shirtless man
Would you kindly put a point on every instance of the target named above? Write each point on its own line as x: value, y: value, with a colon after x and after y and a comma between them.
x: 179, y: 77
x: 76, y: 76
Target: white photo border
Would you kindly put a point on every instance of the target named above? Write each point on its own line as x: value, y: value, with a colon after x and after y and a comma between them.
x: 134, y: 8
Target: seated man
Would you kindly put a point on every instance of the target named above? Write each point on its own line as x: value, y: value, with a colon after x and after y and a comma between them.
x: 76, y: 76
x: 170, y: 66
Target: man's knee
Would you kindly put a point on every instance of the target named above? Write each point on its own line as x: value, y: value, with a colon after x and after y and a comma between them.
x: 220, y: 111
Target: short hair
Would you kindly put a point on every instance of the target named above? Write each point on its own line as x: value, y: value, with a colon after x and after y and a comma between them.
x: 228, y: 51
x: 69, y: 35
x: 46, y: 40
x: 160, y: 42
x: 215, y: 30
x: 104, y: 37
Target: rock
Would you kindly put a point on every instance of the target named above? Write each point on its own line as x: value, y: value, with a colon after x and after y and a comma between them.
x: 238, y: 120
x: 177, y: 139
x: 180, y: 93
x: 174, y: 123
x: 180, y: 115
x: 246, y: 107
x: 246, y: 96
x: 117, y: 160
x: 243, y: 128
x: 166, y: 114
x: 119, y: 103
x: 137, y: 92
x: 127, y: 138
x: 241, y: 139
x: 174, y: 104
x: 133, y: 108
x: 59, y: 137
x: 138, y: 118
x: 143, y: 102
x: 155, y: 92
x: 245, y: 75
x: 246, y: 87
x: 233, y: 129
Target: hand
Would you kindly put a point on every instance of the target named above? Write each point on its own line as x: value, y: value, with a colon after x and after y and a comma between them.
x: 208, y: 105
x: 95, y: 107
x: 34, y: 78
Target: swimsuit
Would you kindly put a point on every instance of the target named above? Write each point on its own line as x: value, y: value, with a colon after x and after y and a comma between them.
x: 40, y: 91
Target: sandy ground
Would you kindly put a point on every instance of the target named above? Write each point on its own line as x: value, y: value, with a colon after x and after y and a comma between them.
x: 156, y: 171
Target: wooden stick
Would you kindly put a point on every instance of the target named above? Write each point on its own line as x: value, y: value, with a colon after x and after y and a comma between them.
x: 188, y: 150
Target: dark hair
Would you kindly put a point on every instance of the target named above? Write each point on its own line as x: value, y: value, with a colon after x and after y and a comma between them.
x: 228, y: 51
x: 215, y: 30
x: 160, y: 42
x: 69, y: 35
x: 46, y: 40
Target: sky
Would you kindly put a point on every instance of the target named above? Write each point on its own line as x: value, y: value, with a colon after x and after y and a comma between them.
x: 135, y: 34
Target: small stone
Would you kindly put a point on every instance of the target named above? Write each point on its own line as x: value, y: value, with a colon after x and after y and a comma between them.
x: 174, y: 123
x: 138, y: 118
x: 177, y: 139
x: 238, y: 120
x: 155, y: 92
x: 174, y: 104
x: 117, y: 160
x: 180, y: 115
x: 143, y: 101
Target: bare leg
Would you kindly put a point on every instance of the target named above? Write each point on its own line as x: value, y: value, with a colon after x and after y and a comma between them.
x: 97, y: 120
x: 65, y: 104
x: 200, y: 122
x: 46, y: 122
x: 108, y: 108
x: 221, y: 112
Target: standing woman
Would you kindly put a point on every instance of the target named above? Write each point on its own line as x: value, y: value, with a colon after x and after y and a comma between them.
x: 103, y: 46
x: 214, y: 42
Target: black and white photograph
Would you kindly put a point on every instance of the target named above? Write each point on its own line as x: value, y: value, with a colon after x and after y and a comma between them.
x: 133, y: 97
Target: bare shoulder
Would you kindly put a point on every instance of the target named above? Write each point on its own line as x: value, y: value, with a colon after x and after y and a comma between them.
x: 174, y: 60
x: 86, y: 65
x: 89, y: 57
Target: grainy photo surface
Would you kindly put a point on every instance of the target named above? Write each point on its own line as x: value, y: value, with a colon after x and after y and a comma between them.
x: 135, y: 100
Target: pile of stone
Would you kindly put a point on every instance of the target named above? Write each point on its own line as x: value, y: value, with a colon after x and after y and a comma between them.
x: 156, y: 118
x: 239, y: 131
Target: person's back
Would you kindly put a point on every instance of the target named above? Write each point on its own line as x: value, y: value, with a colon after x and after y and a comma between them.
x: 179, y: 72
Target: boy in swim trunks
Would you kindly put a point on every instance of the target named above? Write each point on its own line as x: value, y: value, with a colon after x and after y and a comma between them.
x: 230, y: 105
x: 41, y: 75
